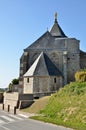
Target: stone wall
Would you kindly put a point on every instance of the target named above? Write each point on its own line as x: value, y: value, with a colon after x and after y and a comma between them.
x: 25, y: 97
x: 28, y: 85
x: 82, y: 60
x: 73, y: 58
x: 17, y: 88
x: 11, y: 99
x: 17, y: 100
x: 46, y: 84
x: 42, y: 84
x: 25, y: 100
x: 55, y: 49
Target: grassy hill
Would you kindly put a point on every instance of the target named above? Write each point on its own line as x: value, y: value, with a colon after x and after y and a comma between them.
x: 38, y: 105
x: 67, y: 107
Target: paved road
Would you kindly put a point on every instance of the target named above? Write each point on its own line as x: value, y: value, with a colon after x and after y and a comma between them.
x: 21, y: 122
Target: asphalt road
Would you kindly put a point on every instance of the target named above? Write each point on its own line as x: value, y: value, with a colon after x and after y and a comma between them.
x: 21, y: 122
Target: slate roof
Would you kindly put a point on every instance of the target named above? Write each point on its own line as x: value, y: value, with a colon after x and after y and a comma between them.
x: 56, y: 30
x: 41, y: 42
x: 48, y: 38
x: 43, y: 66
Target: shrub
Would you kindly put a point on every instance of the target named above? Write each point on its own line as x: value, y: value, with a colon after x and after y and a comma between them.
x: 15, y: 81
x: 80, y: 76
x: 10, y: 87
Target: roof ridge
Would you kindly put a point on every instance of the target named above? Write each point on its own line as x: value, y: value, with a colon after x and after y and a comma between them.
x: 46, y: 33
x: 33, y: 66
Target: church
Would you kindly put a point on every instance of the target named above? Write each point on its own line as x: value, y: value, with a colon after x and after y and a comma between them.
x: 50, y: 62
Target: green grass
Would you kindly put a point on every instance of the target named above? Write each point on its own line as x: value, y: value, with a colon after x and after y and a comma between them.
x: 67, y: 107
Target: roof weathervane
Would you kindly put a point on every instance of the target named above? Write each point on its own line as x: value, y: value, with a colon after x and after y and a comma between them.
x: 55, y: 16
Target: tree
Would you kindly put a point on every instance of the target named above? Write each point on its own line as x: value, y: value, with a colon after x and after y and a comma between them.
x: 15, y: 81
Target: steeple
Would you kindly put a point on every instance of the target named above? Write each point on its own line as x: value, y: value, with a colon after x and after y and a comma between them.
x: 56, y: 30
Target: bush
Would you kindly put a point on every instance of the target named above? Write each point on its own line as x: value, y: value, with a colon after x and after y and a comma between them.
x: 15, y: 81
x: 80, y: 76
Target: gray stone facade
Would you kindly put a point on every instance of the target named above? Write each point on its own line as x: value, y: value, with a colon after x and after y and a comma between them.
x: 42, y: 84
x: 63, y: 52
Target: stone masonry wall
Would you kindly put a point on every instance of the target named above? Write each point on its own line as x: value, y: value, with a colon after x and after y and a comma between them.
x: 47, y: 84
x: 73, y: 58
x: 82, y: 60
x: 28, y: 85
x: 11, y: 99
x: 17, y: 100
x: 54, y: 50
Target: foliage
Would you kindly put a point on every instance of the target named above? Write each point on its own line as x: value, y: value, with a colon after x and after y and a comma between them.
x: 10, y: 86
x: 15, y: 81
x: 2, y: 90
x: 67, y: 107
x: 80, y: 76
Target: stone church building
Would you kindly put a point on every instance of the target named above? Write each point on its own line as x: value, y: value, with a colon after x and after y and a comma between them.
x: 50, y: 62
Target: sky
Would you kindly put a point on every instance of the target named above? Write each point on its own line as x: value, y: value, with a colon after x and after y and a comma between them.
x: 24, y: 21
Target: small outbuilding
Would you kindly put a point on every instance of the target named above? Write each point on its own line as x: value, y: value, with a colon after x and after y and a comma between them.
x: 43, y: 76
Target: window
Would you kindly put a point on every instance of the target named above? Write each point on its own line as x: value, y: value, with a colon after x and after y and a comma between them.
x: 27, y: 80
x: 68, y: 58
x: 54, y: 80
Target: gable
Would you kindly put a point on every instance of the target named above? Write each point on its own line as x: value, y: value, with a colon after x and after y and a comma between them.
x: 56, y: 30
x: 42, y: 42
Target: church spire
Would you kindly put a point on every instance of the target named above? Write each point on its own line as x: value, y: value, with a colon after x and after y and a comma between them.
x: 56, y: 30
